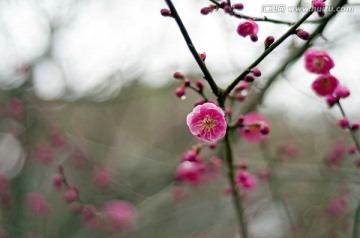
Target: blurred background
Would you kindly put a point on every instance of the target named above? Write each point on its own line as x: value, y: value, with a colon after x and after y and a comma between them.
x: 88, y: 84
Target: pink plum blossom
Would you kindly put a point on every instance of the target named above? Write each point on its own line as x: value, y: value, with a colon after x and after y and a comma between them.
x: 344, y: 123
x: 44, y: 154
x: 71, y: 194
x: 342, y: 92
x: 325, y: 84
x: 207, y: 122
x: 58, y: 181
x: 57, y: 140
x: 37, y: 204
x: 246, y: 180
x: 337, y: 154
x: 191, y: 155
x: 180, y: 92
x: 253, y: 129
x: 189, y: 171
x: 331, y: 100
x: 120, y: 214
x: 318, y: 61
x: 102, y: 177
x: 319, y: 5
x: 248, y: 28
x: 338, y: 205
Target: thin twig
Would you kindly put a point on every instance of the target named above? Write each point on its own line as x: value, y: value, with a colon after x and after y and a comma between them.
x: 356, y: 227
x: 235, y: 192
x: 242, y: 16
x: 207, y: 76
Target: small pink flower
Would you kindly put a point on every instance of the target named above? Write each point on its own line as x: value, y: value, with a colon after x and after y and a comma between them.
x: 207, y: 10
x: 212, y: 145
x: 253, y: 127
x: 242, y: 165
x: 207, y: 122
x: 248, y: 28
x: 318, y: 61
x: 337, y: 155
x: 57, y: 140
x: 89, y: 216
x: 331, y: 100
x: 102, y: 177
x: 325, y: 84
x: 191, y: 155
x: 37, y: 204
x: 355, y: 126
x: 88, y: 212
x: 268, y: 41
x: 338, y: 205
x: 44, y: 154
x: 342, y: 92
x: 189, y: 171
x: 180, y: 92
x: 319, y: 5
x: 202, y: 56
x: 238, y: 6
x: 343, y: 123
x: 165, y: 12
x: 256, y: 72
x: 71, y: 195
x: 76, y: 208
x: 242, y: 86
x: 304, y: 35
x: 178, y: 75
x: 246, y: 180
x: 352, y: 149
x: 120, y: 214
x: 58, y: 181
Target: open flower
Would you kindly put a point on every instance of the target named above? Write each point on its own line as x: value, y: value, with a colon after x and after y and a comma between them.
x: 248, y: 28
x: 207, y: 122
x: 325, y: 84
x: 37, y: 204
x: 318, y: 61
x: 189, y: 171
x: 120, y: 214
x: 246, y: 180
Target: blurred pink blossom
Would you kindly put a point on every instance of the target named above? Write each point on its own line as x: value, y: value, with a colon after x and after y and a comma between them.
x: 120, y: 214
x: 252, y: 129
x: 37, y: 204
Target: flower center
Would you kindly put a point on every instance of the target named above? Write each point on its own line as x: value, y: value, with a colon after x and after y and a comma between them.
x: 326, y: 84
x: 318, y: 63
x: 208, y: 122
